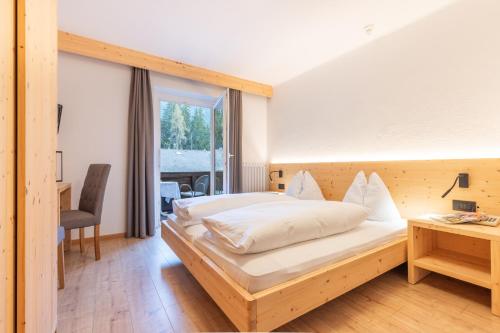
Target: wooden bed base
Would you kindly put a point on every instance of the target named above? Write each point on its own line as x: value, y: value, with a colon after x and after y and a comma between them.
x: 269, y: 309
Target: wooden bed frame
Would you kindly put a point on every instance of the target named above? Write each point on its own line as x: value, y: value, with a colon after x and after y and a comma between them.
x: 416, y: 187
x: 270, y: 308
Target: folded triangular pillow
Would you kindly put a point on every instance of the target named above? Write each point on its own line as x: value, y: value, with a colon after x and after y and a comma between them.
x: 356, y: 192
x: 310, y: 188
x: 295, y: 186
x: 378, y: 199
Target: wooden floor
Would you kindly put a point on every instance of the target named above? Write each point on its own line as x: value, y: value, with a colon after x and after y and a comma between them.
x: 141, y: 286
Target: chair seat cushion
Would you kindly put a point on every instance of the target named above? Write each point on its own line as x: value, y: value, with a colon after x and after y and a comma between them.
x: 190, y: 194
x: 72, y: 219
x: 60, y: 234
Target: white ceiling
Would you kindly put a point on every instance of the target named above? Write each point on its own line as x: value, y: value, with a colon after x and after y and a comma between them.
x: 269, y: 41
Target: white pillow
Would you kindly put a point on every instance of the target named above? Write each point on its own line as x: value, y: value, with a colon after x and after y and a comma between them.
x: 271, y: 225
x: 310, y: 188
x: 356, y: 192
x: 295, y: 186
x: 378, y: 199
x: 303, y: 186
x: 189, y: 211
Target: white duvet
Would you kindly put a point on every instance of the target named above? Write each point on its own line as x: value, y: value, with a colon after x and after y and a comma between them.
x: 190, y: 211
x: 267, y: 226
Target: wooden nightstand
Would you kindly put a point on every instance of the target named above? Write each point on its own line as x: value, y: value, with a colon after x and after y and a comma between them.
x: 466, y: 252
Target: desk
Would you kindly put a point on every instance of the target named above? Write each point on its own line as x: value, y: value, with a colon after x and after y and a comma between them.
x: 64, y: 203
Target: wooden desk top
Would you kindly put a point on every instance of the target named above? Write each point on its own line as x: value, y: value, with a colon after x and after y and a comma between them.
x: 466, y: 229
x: 61, y: 187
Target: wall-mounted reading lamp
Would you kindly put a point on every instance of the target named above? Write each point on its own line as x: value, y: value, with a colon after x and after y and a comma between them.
x: 463, y: 182
x: 280, y: 174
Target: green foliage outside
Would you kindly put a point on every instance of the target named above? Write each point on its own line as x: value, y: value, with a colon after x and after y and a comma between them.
x: 186, y: 127
x: 219, y: 131
x: 178, y: 128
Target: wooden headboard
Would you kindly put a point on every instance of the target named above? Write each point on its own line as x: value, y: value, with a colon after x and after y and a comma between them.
x: 416, y: 186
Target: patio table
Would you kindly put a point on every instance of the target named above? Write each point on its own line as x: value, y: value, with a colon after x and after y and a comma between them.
x: 170, y: 190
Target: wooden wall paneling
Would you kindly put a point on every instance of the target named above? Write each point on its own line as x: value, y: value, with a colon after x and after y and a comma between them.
x: 7, y: 165
x: 100, y: 50
x: 416, y: 186
x: 36, y: 145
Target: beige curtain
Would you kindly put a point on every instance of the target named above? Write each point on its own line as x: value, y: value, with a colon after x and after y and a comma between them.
x: 140, y: 173
x: 234, y: 141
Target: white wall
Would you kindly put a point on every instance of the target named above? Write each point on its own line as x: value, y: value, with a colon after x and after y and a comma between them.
x: 95, y: 98
x: 430, y: 90
x: 254, y: 132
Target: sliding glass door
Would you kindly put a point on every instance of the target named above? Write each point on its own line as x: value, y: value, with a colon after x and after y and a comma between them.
x: 192, y: 154
x: 218, y: 147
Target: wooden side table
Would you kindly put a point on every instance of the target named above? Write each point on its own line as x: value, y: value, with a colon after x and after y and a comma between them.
x: 467, y: 252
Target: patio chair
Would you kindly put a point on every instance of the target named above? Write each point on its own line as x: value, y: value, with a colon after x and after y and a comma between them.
x: 200, y: 188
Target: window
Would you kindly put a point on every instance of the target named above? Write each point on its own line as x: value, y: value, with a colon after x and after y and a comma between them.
x: 185, y: 138
x: 191, y: 142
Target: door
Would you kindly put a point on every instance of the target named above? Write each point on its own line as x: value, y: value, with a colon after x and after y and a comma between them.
x: 219, y: 162
x: 191, y: 144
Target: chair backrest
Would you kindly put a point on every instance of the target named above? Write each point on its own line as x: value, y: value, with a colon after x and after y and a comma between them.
x: 202, y: 184
x: 92, y: 197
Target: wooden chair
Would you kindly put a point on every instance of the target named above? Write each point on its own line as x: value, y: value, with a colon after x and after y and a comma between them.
x: 90, y: 206
x: 60, y: 256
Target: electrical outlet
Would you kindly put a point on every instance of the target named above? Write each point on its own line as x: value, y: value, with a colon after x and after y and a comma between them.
x: 281, y: 186
x: 464, y: 206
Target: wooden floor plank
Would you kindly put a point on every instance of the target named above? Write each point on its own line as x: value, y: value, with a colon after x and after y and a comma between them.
x: 141, y: 286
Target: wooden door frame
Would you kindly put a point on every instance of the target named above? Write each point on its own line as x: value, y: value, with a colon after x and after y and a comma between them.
x: 8, y: 166
x: 36, y: 76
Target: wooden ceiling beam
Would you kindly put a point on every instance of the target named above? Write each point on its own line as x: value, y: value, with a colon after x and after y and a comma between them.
x: 84, y: 46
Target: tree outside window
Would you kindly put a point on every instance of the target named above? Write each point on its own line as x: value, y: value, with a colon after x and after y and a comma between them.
x: 184, y: 127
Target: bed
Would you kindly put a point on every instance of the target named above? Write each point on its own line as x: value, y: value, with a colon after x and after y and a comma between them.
x: 415, y: 186
x: 260, y: 292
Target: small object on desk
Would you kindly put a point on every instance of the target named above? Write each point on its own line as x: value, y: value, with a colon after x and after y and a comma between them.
x: 474, y: 218
x: 491, y: 221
